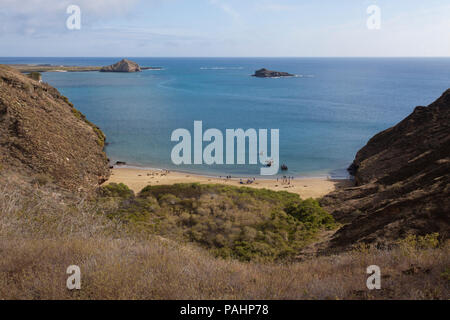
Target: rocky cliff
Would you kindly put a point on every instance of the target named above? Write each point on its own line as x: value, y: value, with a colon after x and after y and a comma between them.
x: 123, y: 65
x: 41, y: 133
x: 402, y: 182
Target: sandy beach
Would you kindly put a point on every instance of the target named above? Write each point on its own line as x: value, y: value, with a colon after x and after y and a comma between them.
x: 136, y: 179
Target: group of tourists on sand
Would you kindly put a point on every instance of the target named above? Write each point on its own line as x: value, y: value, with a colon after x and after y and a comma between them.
x: 249, y: 181
x: 286, y: 179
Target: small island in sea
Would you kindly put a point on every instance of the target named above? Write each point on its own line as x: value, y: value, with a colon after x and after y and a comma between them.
x: 123, y: 65
x: 265, y: 73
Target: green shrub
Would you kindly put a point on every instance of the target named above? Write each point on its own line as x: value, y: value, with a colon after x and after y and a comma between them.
x: 119, y: 190
x: 415, y: 242
x: 35, y: 75
x: 241, y: 223
x: 310, y: 213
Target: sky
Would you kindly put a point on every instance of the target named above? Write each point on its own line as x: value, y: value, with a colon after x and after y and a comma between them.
x: 226, y: 28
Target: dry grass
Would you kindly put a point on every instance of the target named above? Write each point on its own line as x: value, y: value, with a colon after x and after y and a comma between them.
x: 157, y: 269
x: 33, y: 211
x: 44, y: 234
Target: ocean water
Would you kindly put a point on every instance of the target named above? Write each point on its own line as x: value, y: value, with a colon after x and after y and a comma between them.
x: 325, y: 114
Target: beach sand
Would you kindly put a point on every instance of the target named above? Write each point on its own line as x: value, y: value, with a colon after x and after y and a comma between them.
x: 137, y: 179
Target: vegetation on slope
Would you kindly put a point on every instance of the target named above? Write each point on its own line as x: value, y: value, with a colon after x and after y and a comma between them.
x: 44, y: 230
x: 242, y: 223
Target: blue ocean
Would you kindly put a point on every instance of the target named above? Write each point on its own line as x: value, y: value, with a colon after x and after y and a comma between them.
x: 325, y: 114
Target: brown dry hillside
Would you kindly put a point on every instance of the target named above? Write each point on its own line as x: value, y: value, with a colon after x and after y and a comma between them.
x: 402, y: 181
x: 42, y: 133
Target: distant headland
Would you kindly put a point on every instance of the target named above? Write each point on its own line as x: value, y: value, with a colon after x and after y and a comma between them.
x: 122, y: 66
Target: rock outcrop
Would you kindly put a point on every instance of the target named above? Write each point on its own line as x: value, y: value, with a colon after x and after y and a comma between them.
x: 41, y: 133
x: 402, y: 182
x: 264, y: 73
x: 123, y: 65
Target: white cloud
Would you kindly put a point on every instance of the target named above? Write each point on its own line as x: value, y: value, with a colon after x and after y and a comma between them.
x: 276, y: 6
x: 40, y: 16
x: 225, y: 7
x: 147, y: 34
x: 97, y: 7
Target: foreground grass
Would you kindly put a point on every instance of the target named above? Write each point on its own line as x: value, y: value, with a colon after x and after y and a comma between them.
x: 158, y: 269
x: 43, y: 231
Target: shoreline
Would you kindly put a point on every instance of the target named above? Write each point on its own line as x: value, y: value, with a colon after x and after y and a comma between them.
x: 138, y: 178
x: 317, y: 175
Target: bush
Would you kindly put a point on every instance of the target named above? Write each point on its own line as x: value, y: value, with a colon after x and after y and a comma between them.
x: 118, y: 190
x: 242, y: 223
x: 415, y: 242
x: 35, y: 75
x: 310, y: 213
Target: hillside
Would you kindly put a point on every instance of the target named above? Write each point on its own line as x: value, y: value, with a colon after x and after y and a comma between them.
x: 43, y: 135
x: 402, y: 179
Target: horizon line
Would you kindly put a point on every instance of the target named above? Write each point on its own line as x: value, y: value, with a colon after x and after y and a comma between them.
x: 236, y: 57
